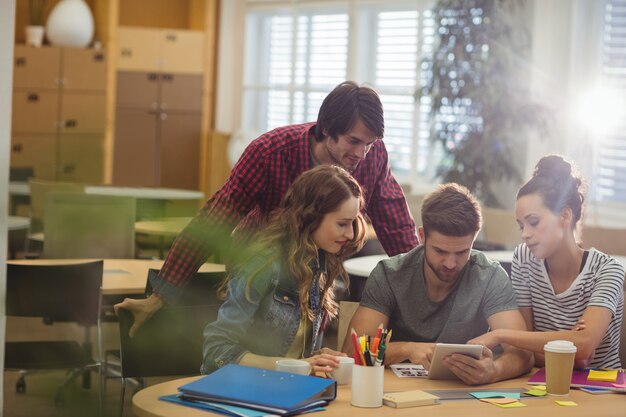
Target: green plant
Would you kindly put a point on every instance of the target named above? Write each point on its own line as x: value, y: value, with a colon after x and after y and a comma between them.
x: 481, y: 111
x: 35, y: 12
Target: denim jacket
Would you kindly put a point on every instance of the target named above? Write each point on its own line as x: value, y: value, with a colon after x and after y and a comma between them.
x: 267, y: 323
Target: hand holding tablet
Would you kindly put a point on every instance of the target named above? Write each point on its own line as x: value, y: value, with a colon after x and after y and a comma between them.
x: 438, y: 370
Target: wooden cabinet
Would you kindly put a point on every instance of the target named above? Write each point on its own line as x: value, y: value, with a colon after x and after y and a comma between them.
x: 144, y: 49
x: 157, y: 129
x: 59, y: 112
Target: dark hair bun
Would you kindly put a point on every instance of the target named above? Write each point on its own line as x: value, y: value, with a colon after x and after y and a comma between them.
x: 553, y: 166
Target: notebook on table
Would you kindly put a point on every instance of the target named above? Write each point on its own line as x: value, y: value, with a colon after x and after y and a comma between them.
x: 274, y: 392
x: 579, y: 379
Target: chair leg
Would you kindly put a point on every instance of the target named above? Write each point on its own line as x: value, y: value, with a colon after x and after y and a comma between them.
x: 122, y: 394
x: 20, y: 385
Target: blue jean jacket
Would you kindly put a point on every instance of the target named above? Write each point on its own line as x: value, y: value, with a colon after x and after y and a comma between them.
x: 267, y: 323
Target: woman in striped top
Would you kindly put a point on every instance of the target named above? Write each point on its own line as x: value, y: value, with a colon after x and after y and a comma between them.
x: 563, y: 291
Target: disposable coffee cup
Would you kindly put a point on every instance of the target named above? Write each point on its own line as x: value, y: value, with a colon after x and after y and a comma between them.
x: 559, y: 356
x: 293, y: 366
x: 343, y: 374
x: 367, y: 386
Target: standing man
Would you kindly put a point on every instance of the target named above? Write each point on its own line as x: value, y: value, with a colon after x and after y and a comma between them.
x: 443, y: 291
x: 348, y: 133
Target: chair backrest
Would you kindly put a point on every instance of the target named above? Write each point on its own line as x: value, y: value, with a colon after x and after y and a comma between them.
x: 170, y: 343
x: 20, y: 174
x: 200, y: 290
x: 39, y: 189
x: 500, y: 227
x: 56, y: 292
x: 346, y: 311
x: 608, y: 240
x: 89, y: 226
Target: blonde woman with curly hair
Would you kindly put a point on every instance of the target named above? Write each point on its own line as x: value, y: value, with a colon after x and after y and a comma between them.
x: 279, y: 299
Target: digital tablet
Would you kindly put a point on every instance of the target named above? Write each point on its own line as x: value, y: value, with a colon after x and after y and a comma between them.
x: 438, y: 370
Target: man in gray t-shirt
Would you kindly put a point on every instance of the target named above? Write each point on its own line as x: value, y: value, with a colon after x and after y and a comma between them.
x: 443, y: 291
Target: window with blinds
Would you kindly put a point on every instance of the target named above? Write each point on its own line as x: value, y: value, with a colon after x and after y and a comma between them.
x: 610, y: 161
x: 292, y: 61
x: 296, y: 54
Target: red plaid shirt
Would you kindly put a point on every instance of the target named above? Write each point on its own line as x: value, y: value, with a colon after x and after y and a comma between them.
x: 256, y: 186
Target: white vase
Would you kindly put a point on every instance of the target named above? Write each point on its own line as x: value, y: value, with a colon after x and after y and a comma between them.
x: 70, y: 24
x: 34, y: 35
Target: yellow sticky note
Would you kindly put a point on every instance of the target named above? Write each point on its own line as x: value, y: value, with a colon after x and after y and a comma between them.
x: 609, y: 375
x: 566, y: 403
x: 516, y: 404
x: 536, y: 392
x: 539, y: 387
x: 499, y: 400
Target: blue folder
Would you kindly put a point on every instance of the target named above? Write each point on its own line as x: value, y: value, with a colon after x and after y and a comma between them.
x: 275, y: 392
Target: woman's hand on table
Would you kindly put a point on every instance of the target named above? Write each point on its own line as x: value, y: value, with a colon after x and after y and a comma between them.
x: 325, y: 361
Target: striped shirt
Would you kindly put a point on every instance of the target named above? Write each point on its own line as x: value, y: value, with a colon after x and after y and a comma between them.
x: 256, y: 186
x: 600, y: 283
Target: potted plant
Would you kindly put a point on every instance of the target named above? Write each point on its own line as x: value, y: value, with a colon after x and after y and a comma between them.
x: 482, y: 112
x: 35, y: 28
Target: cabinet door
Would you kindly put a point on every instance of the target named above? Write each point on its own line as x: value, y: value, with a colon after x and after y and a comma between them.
x: 83, y: 69
x: 181, y: 92
x: 36, y: 67
x: 35, y: 111
x: 138, y: 90
x: 182, y: 51
x: 138, y: 49
x: 135, y: 148
x: 82, y: 113
x: 36, y: 151
x: 81, y: 158
x: 180, y: 150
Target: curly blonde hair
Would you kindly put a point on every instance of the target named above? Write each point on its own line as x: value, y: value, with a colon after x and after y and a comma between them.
x: 313, y: 195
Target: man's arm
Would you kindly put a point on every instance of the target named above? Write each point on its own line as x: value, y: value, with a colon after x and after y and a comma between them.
x: 389, y: 212
x: 210, y: 229
x: 367, y: 320
x: 511, y: 363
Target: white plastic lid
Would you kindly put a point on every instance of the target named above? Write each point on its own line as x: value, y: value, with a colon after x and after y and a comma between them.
x: 560, y: 346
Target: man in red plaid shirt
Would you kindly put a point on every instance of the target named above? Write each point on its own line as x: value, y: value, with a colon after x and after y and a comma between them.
x: 348, y: 132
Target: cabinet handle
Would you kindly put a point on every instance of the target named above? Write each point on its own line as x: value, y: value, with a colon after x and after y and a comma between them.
x: 99, y: 56
x: 126, y: 52
x: 167, y: 77
x: 70, y: 123
x: 163, y: 116
x: 152, y: 76
x: 68, y: 169
x: 17, y: 148
x: 20, y: 61
x: 171, y: 37
x: 32, y: 97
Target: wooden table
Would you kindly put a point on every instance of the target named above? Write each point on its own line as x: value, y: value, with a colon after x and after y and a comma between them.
x: 167, y: 227
x: 146, y: 403
x: 121, y: 276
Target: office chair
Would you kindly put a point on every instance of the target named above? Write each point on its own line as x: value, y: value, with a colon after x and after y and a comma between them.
x: 89, y: 226
x: 39, y: 189
x: 56, y: 293
x: 169, y: 344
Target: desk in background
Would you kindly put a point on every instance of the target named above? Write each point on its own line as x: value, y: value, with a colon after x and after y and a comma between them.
x: 151, y: 202
x: 168, y: 227
x: 121, y: 276
x: 147, y: 404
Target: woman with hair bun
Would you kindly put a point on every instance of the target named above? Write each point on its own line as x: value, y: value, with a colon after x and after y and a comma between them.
x: 564, y: 292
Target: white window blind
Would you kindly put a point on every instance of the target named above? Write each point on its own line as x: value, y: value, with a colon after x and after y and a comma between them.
x: 610, y: 162
x: 295, y: 54
x: 306, y: 53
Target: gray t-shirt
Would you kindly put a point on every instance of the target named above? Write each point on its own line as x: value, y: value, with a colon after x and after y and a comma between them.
x: 396, y: 288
